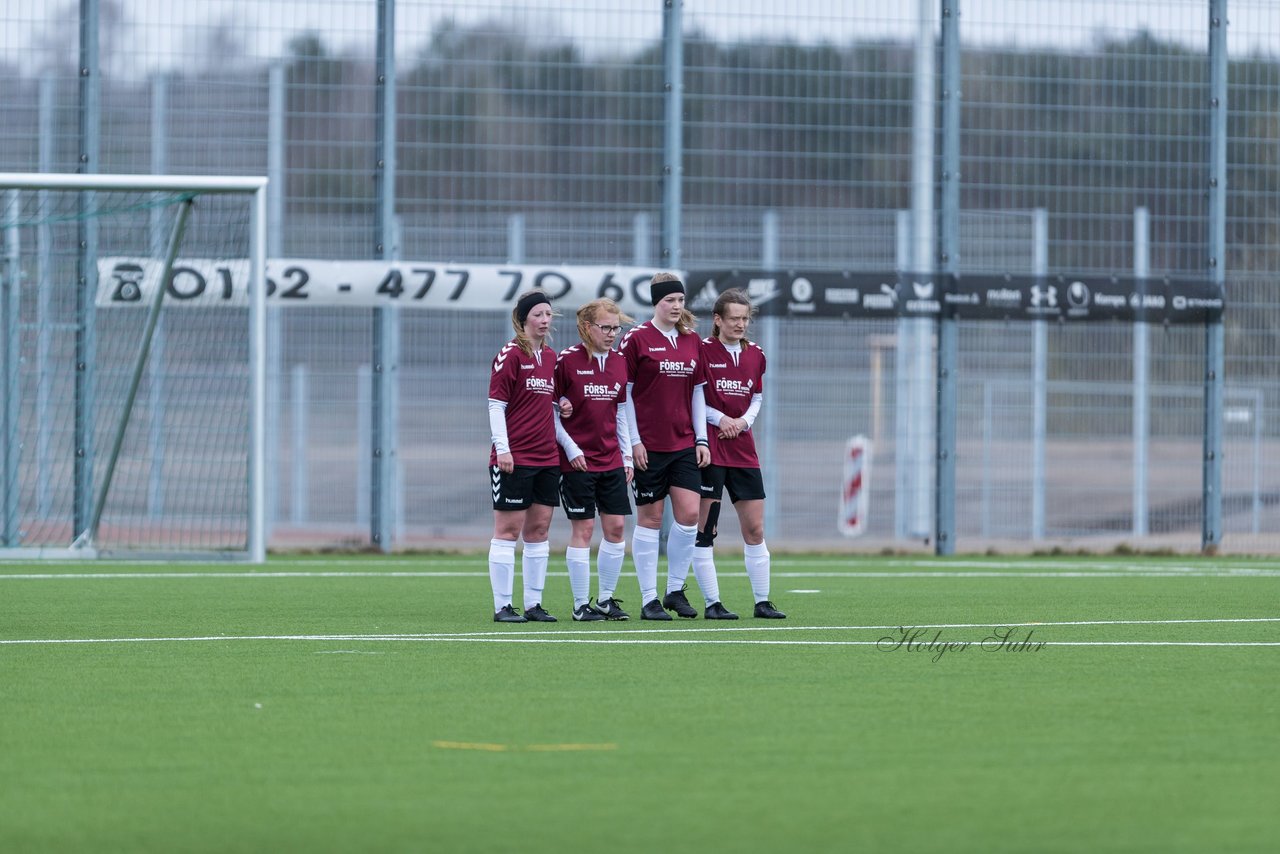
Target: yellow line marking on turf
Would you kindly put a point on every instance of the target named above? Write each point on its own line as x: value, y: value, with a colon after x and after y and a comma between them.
x: 515, y: 748
x: 469, y: 745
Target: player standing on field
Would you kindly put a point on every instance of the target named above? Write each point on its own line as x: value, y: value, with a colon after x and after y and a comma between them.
x: 667, y: 419
x: 595, y: 457
x: 735, y: 386
x: 524, y: 470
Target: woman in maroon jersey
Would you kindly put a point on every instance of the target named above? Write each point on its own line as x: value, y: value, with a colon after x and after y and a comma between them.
x: 524, y: 471
x: 595, y: 457
x: 734, y: 391
x: 668, y: 427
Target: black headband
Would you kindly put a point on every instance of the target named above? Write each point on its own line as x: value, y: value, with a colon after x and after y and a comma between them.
x: 662, y: 289
x: 526, y: 303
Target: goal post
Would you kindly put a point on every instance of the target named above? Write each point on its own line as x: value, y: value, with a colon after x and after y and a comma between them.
x: 132, y: 314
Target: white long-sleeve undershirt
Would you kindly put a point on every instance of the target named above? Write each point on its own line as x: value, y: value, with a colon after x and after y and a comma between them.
x: 715, y: 416
x: 698, y: 403
x: 498, y: 426
x: 630, y: 406
x: 624, y: 435
x: 564, y: 440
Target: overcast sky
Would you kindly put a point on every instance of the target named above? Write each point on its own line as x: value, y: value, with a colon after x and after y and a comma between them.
x: 148, y: 35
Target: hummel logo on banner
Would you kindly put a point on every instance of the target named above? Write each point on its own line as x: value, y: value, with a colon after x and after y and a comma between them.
x: 706, y: 298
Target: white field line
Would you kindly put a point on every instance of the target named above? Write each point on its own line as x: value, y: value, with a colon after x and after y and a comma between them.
x: 853, y: 574
x: 619, y: 641
x: 933, y: 565
x: 611, y: 635
x: 95, y: 576
x: 1107, y: 561
x: 771, y: 642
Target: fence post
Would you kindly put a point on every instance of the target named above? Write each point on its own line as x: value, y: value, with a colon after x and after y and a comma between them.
x: 988, y: 443
x: 1214, y: 350
x: 156, y: 360
x: 90, y: 144
x: 386, y: 321
x: 902, y: 388
x: 365, y: 413
x: 300, y: 395
x: 768, y: 413
x: 944, y: 523
x: 11, y: 335
x: 44, y: 312
x: 640, y: 240
x: 1141, y: 371
x: 921, y: 424
x: 275, y: 249
x: 1039, y: 375
x: 515, y: 239
x: 673, y: 129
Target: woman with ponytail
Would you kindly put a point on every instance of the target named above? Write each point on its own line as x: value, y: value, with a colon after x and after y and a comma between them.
x: 595, y: 458
x: 667, y: 419
x: 524, y: 470
x: 735, y: 390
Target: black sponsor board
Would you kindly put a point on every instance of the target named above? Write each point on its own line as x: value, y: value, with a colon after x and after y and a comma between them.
x: 804, y: 293
x: 1085, y: 298
x: 824, y: 293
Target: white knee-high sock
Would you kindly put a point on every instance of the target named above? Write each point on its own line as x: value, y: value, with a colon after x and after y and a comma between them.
x: 704, y: 569
x: 609, y: 567
x: 533, y: 564
x: 579, y: 562
x: 680, y: 541
x: 502, y: 571
x: 757, y: 560
x: 644, y: 551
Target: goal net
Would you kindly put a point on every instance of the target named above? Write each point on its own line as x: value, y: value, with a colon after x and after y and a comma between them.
x: 132, y: 319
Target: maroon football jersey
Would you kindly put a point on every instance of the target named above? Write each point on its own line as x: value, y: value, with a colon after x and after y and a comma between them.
x: 529, y: 390
x: 664, y: 375
x: 730, y: 387
x: 596, y: 393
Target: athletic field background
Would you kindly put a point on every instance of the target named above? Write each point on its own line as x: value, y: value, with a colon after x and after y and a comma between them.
x: 368, y: 703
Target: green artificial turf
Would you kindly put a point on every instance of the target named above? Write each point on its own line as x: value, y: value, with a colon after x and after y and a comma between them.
x: 369, y: 704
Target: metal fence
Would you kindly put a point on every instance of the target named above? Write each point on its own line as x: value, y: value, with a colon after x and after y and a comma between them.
x: 809, y: 135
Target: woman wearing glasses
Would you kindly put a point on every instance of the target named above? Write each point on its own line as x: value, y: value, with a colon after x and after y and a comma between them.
x: 595, y: 457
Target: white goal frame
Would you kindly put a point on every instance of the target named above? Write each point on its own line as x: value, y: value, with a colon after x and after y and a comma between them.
x: 256, y: 188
